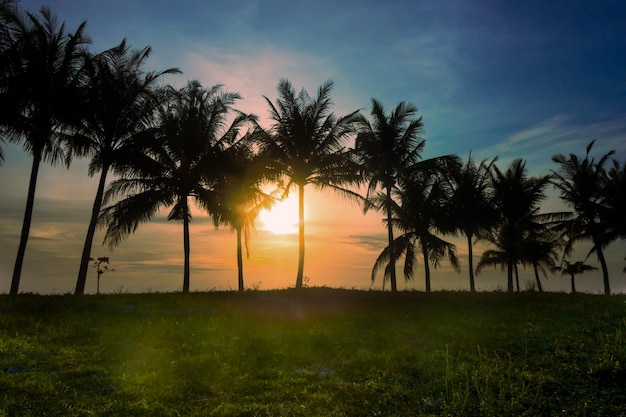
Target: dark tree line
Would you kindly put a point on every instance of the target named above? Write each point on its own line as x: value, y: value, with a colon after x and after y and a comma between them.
x: 167, y: 147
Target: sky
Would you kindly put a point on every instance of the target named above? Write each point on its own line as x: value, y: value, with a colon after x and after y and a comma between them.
x: 502, y: 78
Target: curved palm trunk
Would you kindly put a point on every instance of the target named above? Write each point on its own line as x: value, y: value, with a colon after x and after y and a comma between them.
x: 470, y: 255
x: 28, y: 216
x: 239, y: 261
x: 426, y: 269
x: 300, y: 275
x: 539, y: 287
x: 186, y: 250
x: 91, y: 231
x: 392, y: 255
x: 516, y: 277
x: 605, y: 270
x: 573, y: 284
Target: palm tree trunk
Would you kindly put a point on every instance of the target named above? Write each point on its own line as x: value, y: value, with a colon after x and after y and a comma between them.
x: 426, y: 268
x: 91, y: 231
x: 509, y: 276
x: 239, y: 261
x: 605, y: 270
x: 186, y: 249
x: 573, y: 284
x: 392, y: 255
x: 539, y: 287
x: 516, y: 277
x: 470, y: 256
x: 28, y: 216
x: 300, y: 275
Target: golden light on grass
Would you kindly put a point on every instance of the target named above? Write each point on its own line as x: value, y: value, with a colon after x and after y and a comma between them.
x: 282, y: 218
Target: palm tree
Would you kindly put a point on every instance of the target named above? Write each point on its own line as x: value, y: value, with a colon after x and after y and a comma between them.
x: 573, y: 269
x: 516, y: 197
x: 419, y: 216
x: 309, y: 141
x: 541, y: 249
x: 120, y: 102
x: 388, y: 147
x: 240, y: 197
x: 186, y: 161
x: 581, y: 186
x: 38, y: 83
x: 470, y: 207
x: 615, y: 200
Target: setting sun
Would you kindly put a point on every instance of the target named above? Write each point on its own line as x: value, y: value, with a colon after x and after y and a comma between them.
x: 281, y: 219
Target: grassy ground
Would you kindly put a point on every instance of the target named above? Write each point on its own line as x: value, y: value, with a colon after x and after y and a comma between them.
x: 315, y: 352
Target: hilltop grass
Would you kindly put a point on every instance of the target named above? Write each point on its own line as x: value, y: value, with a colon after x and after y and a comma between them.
x: 314, y: 352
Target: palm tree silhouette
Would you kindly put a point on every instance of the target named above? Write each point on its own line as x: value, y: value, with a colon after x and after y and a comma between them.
x: 541, y: 249
x: 388, y: 147
x: 120, y: 103
x: 418, y: 216
x: 581, y: 183
x: 470, y: 206
x: 573, y: 269
x: 39, y: 82
x: 239, y: 196
x: 184, y: 162
x: 516, y: 197
x: 308, y: 141
x: 615, y: 203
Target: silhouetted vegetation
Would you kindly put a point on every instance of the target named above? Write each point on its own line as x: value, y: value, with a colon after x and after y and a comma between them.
x: 166, y: 147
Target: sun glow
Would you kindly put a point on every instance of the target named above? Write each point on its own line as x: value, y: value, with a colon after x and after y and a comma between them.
x: 281, y: 219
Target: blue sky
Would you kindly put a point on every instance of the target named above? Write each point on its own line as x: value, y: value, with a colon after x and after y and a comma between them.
x: 509, y: 78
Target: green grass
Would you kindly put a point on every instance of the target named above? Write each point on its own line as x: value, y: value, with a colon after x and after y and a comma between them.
x: 314, y: 352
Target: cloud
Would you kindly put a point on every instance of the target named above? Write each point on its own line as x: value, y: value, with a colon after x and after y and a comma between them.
x: 558, y: 134
x: 255, y: 71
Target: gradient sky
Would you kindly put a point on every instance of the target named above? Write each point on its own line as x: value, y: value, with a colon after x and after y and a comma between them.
x: 509, y: 78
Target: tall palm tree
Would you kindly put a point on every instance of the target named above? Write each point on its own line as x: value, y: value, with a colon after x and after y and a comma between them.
x: 516, y: 197
x: 239, y: 196
x: 470, y: 207
x: 37, y: 86
x: 419, y: 217
x: 309, y: 142
x: 389, y: 146
x: 185, y: 162
x: 119, y: 108
x: 580, y: 182
x: 573, y: 269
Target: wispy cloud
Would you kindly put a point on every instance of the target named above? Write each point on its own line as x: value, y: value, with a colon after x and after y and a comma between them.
x: 559, y: 134
x: 255, y: 71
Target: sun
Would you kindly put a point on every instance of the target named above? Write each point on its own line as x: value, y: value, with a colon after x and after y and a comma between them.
x: 282, y: 218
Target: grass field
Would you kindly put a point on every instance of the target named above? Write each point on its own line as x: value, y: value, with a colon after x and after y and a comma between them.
x: 313, y: 352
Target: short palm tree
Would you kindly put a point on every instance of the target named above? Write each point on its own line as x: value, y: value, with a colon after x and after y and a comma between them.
x: 309, y: 143
x: 470, y: 206
x: 516, y: 197
x: 183, y: 163
x: 419, y: 217
x: 388, y: 147
x: 239, y: 196
x: 41, y: 72
x: 120, y: 104
x: 580, y: 182
x: 541, y: 249
x: 573, y: 269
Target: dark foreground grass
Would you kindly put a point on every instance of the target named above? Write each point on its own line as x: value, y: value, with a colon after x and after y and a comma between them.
x: 315, y: 352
